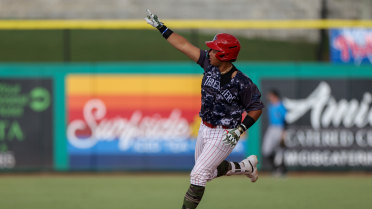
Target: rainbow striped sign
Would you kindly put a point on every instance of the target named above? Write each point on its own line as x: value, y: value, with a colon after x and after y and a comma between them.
x: 126, y: 121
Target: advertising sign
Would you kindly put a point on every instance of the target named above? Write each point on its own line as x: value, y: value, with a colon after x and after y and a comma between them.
x: 351, y: 45
x: 26, y: 123
x: 329, y: 123
x: 134, y: 121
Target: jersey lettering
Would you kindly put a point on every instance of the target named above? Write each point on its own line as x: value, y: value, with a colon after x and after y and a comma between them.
x: 212, y: 83
x: 224, y: 105
x: 228, y: 96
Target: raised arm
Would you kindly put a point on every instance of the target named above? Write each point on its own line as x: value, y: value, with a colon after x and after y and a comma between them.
x: 176, y: 40
x: 180, y: 43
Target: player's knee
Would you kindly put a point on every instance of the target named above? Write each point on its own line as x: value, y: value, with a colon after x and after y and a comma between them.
x: 199, y: 177
x: 195, y: 175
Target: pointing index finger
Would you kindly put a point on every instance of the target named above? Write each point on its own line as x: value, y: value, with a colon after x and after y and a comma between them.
x: 149, y: 12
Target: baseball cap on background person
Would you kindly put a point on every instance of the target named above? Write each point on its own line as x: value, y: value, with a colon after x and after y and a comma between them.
x: 227, y: 45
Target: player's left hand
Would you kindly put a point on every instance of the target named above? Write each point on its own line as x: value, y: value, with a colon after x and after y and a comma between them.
x: 231, y: 137
x: 153, y: 20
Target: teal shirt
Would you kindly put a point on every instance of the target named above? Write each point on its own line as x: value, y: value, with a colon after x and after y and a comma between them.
x: 277, y: 114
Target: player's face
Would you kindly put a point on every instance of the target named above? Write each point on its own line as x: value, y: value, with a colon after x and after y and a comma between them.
x: 272, y: 98
x: 213, y: 59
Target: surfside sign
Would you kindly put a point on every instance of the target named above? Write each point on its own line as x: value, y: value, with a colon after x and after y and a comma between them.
x: 330, y: 123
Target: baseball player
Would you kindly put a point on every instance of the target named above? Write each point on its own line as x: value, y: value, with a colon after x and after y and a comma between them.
x: 226, y: 94
x: 275, y: 133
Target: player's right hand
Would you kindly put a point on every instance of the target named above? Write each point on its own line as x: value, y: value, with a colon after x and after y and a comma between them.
x: 153, y: 20
x: 231, y: 137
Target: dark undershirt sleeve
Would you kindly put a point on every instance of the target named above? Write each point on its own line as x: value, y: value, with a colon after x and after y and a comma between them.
x: 203, y: 59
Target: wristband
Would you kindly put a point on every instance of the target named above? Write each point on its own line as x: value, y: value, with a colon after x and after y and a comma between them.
x: 165, y: 32
x: 241, y: 128
x: 244, y: 128
x: 247, y: 122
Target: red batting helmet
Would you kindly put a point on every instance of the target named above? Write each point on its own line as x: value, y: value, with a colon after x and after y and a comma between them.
x: 227, y: 46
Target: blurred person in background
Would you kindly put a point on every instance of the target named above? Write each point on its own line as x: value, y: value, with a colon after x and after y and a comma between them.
x: 273, y: 140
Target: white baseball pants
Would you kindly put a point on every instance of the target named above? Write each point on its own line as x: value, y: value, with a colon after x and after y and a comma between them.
x: 210, y: 151
x: 271, y: 140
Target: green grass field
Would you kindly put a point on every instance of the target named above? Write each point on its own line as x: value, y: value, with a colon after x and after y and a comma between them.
x: 98, y: 191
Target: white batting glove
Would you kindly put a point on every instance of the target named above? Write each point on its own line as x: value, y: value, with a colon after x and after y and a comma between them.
x: 153, y: 20
x: 232, y: 136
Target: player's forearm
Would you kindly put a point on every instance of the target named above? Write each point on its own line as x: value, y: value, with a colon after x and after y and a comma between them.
x: 255, y: 114
x: 178, y: 41
x: 249, y: 120
x: 183, y: 45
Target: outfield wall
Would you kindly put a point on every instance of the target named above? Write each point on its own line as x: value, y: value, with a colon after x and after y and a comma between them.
x: 143, y: 116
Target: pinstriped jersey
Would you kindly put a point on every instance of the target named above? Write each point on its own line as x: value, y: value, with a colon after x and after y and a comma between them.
x: 224, y: 105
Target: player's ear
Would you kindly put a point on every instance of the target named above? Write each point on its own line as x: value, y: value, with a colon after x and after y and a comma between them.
x: 220, y: 54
